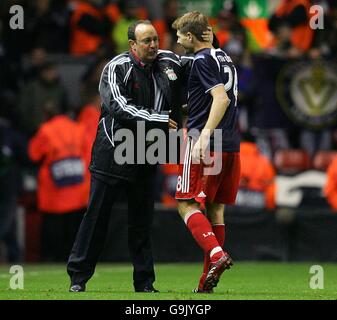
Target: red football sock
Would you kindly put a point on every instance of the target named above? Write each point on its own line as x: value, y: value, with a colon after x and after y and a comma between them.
x: 219, y: 231
x: 202, y: 232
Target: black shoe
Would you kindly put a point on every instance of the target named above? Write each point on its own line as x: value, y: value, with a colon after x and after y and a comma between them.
x: 148, y: 290
x: 77, y: 288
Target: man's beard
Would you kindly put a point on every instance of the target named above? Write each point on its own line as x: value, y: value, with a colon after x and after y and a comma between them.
x: 150, y: 60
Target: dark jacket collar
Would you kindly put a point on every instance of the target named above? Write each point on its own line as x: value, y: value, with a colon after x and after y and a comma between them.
x: 136, y: 60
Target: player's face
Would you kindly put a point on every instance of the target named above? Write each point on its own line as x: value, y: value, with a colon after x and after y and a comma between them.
x: 185, y: 40
x: 146, y: 43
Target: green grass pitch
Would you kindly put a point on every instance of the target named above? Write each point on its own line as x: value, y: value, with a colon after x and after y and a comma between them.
x: 245, y: 281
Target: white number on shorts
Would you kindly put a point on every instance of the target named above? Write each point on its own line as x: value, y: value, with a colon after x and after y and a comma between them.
x: 179, y: 183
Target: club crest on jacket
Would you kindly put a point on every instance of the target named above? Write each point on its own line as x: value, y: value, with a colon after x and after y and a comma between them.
x: 171, y: 74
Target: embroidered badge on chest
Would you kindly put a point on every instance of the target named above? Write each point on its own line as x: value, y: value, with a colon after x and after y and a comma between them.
x: 171, y: 74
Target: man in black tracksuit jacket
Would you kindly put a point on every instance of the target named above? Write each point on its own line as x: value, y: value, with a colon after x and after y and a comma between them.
x: 142, y: 85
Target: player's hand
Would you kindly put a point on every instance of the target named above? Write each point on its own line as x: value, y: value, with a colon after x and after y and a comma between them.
x: 173, y: 125
x: 196, y: 152
x: 208, y: 35
x: 199, y: 149
x: 184, y: 109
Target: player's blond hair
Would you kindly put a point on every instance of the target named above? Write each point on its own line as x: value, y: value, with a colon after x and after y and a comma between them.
x: 194, y: 22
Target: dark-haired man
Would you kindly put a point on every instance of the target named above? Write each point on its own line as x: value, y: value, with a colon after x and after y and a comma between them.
x: 139, y: 86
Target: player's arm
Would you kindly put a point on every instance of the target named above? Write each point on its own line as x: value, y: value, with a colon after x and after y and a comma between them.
x: 218, y: 110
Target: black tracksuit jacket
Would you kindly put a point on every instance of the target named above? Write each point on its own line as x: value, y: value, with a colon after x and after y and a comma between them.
x: 130, y: 95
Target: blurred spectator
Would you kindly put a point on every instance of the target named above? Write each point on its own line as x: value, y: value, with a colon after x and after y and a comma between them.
x: 92, y: 75
x: 36, y: 93
x: 37, y: 58
x: 155, y: 11
x: 130, y: 11
x: 330, y: 189
x: 90, y: 113
x: 241, y: 59
x: 60, y: 148
x: 222, y: 29
x: 257, y: 184
x: 170, y: 14
x: 229, y: 29
x: 88, y: 118
x: 13, y: 44
x: 290, y: 25
x: 253, y: 16
x: 91, y: 25
x: 13, y: 153
x: 16, y: 42
x: 47, y: 25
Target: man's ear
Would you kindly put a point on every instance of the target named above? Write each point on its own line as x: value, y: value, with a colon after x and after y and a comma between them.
x: 189, y: 36
x: 132, y: 43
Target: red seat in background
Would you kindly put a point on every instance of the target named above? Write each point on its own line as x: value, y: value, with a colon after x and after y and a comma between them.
x: 291, y: 161
x: 322, y: 160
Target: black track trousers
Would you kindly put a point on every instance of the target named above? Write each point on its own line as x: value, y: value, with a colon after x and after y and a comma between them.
x: 93, y: 230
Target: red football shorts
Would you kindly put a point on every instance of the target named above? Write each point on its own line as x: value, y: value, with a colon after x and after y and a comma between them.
x: 213, y: 183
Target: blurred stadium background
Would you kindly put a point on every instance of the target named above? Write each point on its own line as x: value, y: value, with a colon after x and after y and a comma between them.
x: 287, y: 204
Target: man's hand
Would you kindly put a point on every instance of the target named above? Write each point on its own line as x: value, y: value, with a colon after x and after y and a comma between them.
x: 184, y: 109
x: 208, y: 35
x: 173, y: 124
x: 199, y: 149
